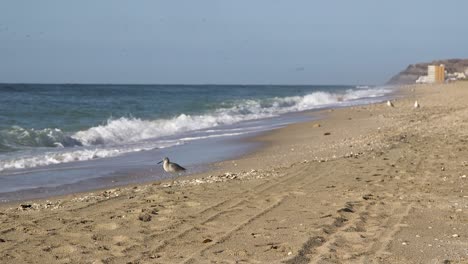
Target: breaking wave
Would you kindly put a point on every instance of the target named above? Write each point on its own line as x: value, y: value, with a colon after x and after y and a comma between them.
x: 113, y: 137
x: 123, y: 130
x: 63, y: 157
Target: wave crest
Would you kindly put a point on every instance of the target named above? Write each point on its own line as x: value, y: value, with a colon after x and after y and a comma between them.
x: 18, y: 137
x: 128, y: 130
x: 125, y: 135
x: 64, y: 157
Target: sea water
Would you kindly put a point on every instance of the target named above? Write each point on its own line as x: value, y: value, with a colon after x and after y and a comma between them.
x: 61, y: 138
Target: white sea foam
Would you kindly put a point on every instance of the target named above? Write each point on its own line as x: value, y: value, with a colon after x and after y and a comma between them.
x: 115, y: 136
x: 48, y: 137
x: 64, y: 156
x: 211, y: 136
x: 50, y: 158
x: 125, y: 130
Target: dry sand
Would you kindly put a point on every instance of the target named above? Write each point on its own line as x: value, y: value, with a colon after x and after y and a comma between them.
x: 367, y: 184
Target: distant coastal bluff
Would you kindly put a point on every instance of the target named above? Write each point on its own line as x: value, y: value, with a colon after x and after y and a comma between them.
x: 415, y: 71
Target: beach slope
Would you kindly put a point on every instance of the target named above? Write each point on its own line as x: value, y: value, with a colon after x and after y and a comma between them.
x: 366, y: 184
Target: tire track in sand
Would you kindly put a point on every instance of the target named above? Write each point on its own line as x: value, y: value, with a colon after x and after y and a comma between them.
x: 284, y: 192
x: 232, y: 205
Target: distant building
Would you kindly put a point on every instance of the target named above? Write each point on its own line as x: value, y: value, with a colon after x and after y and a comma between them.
x: 451, y: 77
x: 435, y: 74
x: 422, y: 79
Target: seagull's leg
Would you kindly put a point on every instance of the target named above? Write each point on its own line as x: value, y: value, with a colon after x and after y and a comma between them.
x: 179, y: 174
x: 172, y: 179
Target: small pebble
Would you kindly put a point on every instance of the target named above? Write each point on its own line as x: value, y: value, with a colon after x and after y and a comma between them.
x: 144, y: 217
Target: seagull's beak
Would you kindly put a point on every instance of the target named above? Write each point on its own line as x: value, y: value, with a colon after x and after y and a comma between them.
x: 160, y: 162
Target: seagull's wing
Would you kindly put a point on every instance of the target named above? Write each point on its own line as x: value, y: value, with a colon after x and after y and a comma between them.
x: 177, y: 167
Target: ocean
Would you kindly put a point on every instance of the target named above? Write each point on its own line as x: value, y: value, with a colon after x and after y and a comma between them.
x: 62, y: 138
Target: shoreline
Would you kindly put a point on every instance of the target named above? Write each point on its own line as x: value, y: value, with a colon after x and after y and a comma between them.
x: 364, y: 184
x: 249, y: 140
x: 214, y: 167
x: 217, y: 167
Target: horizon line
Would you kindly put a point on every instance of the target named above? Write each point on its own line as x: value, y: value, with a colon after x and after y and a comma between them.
x: 181, y: 84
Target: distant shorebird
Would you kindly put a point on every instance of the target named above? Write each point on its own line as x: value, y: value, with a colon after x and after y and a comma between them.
x: 389, y: 103
x: 171, y: 166
x: 416, y: 104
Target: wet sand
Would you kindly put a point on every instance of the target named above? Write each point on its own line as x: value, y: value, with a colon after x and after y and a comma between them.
x: 367, y: 184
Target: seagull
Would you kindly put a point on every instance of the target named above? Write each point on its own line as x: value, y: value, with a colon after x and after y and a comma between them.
x: 416, y: 104
x: 389, y: 103
x: 171, y: 166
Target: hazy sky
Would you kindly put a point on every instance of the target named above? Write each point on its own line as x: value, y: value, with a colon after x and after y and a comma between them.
x: 235, y: 41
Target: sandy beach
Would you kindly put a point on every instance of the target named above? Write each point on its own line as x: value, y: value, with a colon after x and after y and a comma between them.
x: 365, y: 184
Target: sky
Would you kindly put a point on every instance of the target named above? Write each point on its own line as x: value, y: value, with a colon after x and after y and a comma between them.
x: 225, y: 42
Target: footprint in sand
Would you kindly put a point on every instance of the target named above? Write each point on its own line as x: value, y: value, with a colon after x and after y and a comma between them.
x: 192, y: 204
x: 66, y: 250
x: 120, y: 239
x: 107, y: 226
x: 154, y: 198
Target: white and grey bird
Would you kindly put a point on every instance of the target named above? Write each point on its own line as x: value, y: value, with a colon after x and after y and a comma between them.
x: 416, y: 104
x: 171, y: 166
x: 389, y: 103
